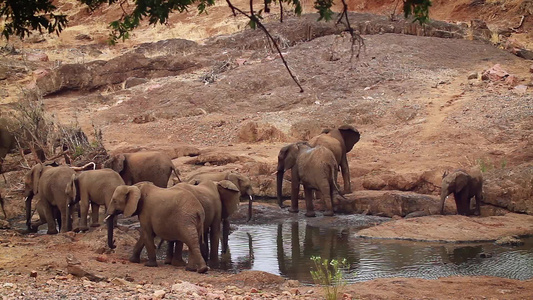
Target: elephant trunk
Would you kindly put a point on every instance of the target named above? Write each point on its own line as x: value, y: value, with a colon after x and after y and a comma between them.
x: 110, y: 221
x: 251, y: 199
x: 279, y: 186
x: 443, y: 195
x: 28, y: 211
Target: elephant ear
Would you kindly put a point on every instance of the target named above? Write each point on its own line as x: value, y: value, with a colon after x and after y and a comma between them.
x: 230, y: 196
x: 350, y: 135
x: 461, y: 180
x: 132, y: 200
x: 287, y: 157
x: 36, y: 172
x: 118, y: 164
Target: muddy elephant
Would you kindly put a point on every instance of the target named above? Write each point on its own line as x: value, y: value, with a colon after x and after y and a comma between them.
x: 464, y: 186
x: 7, y: 143
x: 95, y: 187
x: 219, y: 201
x: 171, y: 214
x: 49, y: 183
x: 315, y: 168
x: 243, y: 183
x: 339, y: 141
x: 152, y: 166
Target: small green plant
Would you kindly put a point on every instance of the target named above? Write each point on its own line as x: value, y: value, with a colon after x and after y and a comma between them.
x: 484, y: 166
x: 328, y: 274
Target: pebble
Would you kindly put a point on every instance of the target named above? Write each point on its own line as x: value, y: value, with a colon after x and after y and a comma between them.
x: 33, y: 273
x: 159, y: 294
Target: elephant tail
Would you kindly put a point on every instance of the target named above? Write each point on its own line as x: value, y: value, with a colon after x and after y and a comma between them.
x: 176, y: 172
x: 333, y: 183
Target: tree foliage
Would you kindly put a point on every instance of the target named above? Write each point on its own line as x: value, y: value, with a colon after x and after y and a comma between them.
x: 22, y: 16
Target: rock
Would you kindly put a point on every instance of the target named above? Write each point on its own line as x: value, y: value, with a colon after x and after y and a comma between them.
x: 33, y: 274
x: 8, y: 285
x: 254, y: 290
x: 253, y: 132
x: 295, y: 291
x: 187, y: 288
x: 159, y: 294
x: 4, y: 224
x: 120, y: 281
x: 74, y: 267
x: 417, y: 214
x: 102, y: 258
x: 396, y: 217
x: 37, y: 57
x: 509, y: 241
x: 473, y: 75
x: 512, y: 80
x: 83, y: 37
x: 374, y: 183
x: 346, y: 296
x: 520, y: 89
x: 293, y: 283
x: 390, y: 203
x: 133, y: 81
x: 495, y: 73
x: 100, y: 250
x: 485, y: 255
x: 524, y: 53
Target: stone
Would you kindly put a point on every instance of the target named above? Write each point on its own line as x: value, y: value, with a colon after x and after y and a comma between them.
x: 33, y: 274
x: 295, y: 291
x: 520, y: 89
x: 524, y: 53
x: 159, y: 294
x: 4, y: 224
x: 473, y: 75
x: 37, y: 57
x: 133, y: 81
x: 293, y: 283
x: 495, y: 73
x: 82, y: 37
x: 509, y: 241
x: 254, y: 290
x: 512, y: 80
x: 119, y: 281
x: 102, y: 258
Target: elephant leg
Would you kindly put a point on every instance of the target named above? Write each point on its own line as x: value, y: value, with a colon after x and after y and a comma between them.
x: 49, y: 217
x: 462, y: 203
x: 42, y: 218
x: 95, y: 208
x: 327, y: 191
x: 345, y: 175
x: 225, y: 235
x: 479, y: 198
x: 214, y: 236
x: 170, y: 252
x: 84, y: 210
x: 196, y: 261
x: 295, y: 190
x: 309, y: 202
x: 177, y: 259
x: 150, y: 248
x: 136, y: 253
x: 65, y: 218
x: 204, y: 245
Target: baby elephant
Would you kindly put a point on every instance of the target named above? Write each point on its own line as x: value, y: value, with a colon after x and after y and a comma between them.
x: 95, y: 187
x: 464, y: 186
x: 315, y: 168
x: 171, y: 214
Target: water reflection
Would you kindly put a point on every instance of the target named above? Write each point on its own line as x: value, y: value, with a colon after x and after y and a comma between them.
x: 285, y: 249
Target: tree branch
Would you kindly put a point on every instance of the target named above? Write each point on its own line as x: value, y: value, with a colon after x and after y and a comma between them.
x: 254, y: 19
x: 355, y: 37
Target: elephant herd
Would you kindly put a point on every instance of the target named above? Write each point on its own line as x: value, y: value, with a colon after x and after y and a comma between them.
x: 196, y: 212
x: 135, y: 184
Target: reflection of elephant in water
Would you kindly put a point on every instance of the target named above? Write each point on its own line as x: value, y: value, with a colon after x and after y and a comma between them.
x: 464, y: 186
x: 460, y: 254
x: 95, y: 187
x: 50, y: 184
x: 315, y: 168
x: 155, y: 167
x: 243, y: 183
x: 171, y: 214
x: 339, y: 141
x: 326, y: 243
x: 219, y: 201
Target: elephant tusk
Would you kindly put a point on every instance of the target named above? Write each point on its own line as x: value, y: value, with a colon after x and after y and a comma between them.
x: 251, y: 198
x: 107, y: 217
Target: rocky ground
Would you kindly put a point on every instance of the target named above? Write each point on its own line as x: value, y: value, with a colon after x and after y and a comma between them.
x: 423, y: 105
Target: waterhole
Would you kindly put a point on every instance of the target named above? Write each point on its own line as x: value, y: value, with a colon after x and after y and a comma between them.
x: 286, y: 249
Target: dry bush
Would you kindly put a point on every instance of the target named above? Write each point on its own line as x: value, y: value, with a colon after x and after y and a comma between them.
x: 36, y: 132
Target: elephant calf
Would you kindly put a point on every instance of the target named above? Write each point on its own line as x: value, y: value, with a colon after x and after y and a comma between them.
x: 172, y: 214
x: 464, y: 186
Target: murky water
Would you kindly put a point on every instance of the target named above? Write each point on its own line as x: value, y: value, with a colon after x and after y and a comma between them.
x: 285, y: 249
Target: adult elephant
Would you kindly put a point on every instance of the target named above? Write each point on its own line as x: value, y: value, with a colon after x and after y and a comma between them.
x: 339, y: 141
x: 464, y: 186
x: 152, y: 166
x: 243, y: 183
x: 49, y: 183
x: 315, y: 168
x: 219, y: 201
x: 7, y: 143
x: 171, y: 214
x: 95, y: 187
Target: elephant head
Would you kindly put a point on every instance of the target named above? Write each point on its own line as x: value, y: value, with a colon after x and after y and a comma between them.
x: 230, y: 197
x: 286, y: 160
x: 72, y: 190
x: 31, y: 188
x: 244, y: 185
x: 452, y: 183
x: 125, y: 199
x: 347, y: 135
x: 115, y: 162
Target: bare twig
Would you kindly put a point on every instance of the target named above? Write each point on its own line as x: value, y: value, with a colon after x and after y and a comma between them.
x: 354, y: 36
x: 515, y: 29
x: 255, y: 19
